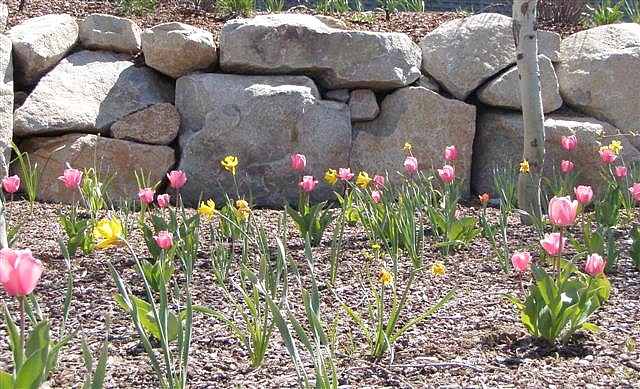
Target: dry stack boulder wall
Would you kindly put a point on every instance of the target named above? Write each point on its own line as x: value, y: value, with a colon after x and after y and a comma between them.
x: 463, y: 53
x: 599, y: 74
x: 302, y: 44
x: 6, y: 102
x: 107, y: 32
x: 262, y: 120
x: 423, y: 118
x: 39, y: 44
x: 88, y: 91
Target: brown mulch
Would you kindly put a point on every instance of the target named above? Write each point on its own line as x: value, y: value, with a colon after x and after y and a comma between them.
x: 476, y: 340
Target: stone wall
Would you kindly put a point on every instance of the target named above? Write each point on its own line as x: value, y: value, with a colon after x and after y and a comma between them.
x: 281, y: 84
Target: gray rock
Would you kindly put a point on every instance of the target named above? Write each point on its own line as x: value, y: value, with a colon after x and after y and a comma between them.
x: 598, y: 74
x: 176, y: 49
x: 6, y: 102
x: 339, y: 95
x: 263, y: 123
x: 504, y: 91
x: 88, y: 91
x: 108, y: 32
x: 423, y: 118
x: 4, y: 16
x: 301, y: 44
x: 112, y: 156
x: 463, y: 53
x: 158, y: 124
x: 363, y: 105
x: 332, y: 22
x: 39, y: 44
x: 427, y: 82
x: 499, y: 141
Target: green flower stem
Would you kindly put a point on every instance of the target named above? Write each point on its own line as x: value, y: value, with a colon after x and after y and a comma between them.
x: 23, y: 320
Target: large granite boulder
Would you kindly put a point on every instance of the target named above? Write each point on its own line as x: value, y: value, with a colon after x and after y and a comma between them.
x: 423, y: 118
x: 176, y: 49
x: 88, y: 91
x: 6, y: 102
x: 301, y: 44
x: 108, y: 32
x: 599, y: 74
x: 499, y: 141
x: 263, y: 121
x: 463, y: 53
x: 158, y: 124
x: 39, y: 44
x: 112, y: 156
x: 363, y: 105
x: 504, y: 90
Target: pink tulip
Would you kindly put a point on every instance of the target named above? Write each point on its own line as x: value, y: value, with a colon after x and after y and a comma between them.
x: 72, y: 178
x: 308, y: 183
x: 164, y: 200
x: 146, y: 195
x: 569, y: 143
x: 447, y: 173
x: 621, y: 171
x: 177, y: 179
x: 562, y: 211
x: 164, y: 239
x: 298, y: 162
x: 607, y: 156
x: 19, y: 271
x: 378, y: 181
x: 520, y: 260
x: 457, y: 214
x: 635, y: 191
x: 566, y: 166
x: 411, y: 164
x: 595, y: 264
x: 376, y: 195
x: 11, y: 184
x: 552, y: 244
x: 450, y: 153
x: 345, y: 174
x: 584, y: 194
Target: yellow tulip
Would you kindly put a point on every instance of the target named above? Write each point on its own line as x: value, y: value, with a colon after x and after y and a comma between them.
x: 331, y: 176
x: 107, y: 233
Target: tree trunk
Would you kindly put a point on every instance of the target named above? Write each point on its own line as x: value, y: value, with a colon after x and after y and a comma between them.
x: 525, y: 34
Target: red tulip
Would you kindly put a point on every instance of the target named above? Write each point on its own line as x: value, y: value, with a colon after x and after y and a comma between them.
x: 411, y: 164
x: 72, y: 178
x: 19, y: 271
x: 520, y: 260
x: 146, y: 195
x: 562, y: 211
x: 163, y: 200
x: 569, y: 143
x: 11, y: 184
x: 177, y: 179
x: 308, y: 183
x: 450, y: 153
x: 566, y: 166
x: 447, y: 173
x: 595, y: 264
x: 164, y: 239
x: 298, y: 162
x: 584, y: 194
x: 552, y: 244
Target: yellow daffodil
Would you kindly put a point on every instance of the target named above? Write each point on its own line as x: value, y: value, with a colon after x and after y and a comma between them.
x: 331, y: 176
x: 438, y: 269
x: 243, y: 210
x: 229, y: 163
x: 615, y: 146
x: 603, y: 148
x: 207, y: 210
x: 407, y: 146
x: 385, y: 277
x: 363, y: 179
x: 524, y: 166
x: 107, y: 233
x: 375, y: 246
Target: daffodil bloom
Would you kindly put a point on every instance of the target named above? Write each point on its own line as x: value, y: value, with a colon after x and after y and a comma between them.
x: 363, y: 179
x: 524, y: 166
x: 385, y: 277
x: 243, y: 210
x: 375, y: 246
x: 107, y: 233
x: 407, y: 146
x: 615, y: 146
x: 331, y: 176
x: 229, y: 163
x: 438, y: 269
x: 208, y: 209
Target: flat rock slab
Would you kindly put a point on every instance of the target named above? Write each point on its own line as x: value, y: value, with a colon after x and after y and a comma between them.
x: 111, y: 156
x: 88, y: 91
x: 263, y: 121
x: 423, y: 118
x: 302, y: 44
x: 599, y: 74
x: 108, y: 32
x: 158, y: 124
x: 40, y: 43
x: 499, y: 141
x: 463, y: 53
